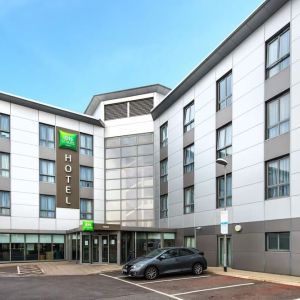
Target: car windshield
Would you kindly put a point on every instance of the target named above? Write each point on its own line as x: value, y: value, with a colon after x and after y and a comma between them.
x: 155, y: 253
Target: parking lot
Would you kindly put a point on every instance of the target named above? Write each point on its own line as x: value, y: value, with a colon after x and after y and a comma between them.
x: 113, y: 285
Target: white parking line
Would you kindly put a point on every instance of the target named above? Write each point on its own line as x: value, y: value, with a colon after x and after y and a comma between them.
x: 143, y: 287
x: 216, y: 288
x: 185, y: 278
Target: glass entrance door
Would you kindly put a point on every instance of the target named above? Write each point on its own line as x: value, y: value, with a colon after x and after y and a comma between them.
x: 104, y: 248
x: 221, y: 251
x: 86, y: 249
x: 95, y: 248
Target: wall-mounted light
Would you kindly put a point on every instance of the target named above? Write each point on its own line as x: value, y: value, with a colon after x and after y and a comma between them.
x: 238, y: 228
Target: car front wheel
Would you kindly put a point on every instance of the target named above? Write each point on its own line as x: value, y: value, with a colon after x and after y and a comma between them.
x: 151, y: 273
x: 197, y: 269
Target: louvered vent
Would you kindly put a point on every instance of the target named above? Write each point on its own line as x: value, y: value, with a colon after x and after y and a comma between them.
x: 140, y: 107
x: 115, y: 111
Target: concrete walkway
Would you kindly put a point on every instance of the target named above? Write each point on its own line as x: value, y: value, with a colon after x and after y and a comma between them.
x: 275, y: 278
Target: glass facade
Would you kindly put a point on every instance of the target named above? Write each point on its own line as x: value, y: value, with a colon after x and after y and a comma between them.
x: 129, y: 180
x: 18, y: 247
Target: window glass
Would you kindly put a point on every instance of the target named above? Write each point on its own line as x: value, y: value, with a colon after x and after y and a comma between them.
x: 129, y: 151
x: 189, y: 159
x: 189, y: 241
x: 47, y: 136
x: 113, y: 195
x: 129, y: 194
x: 4, y: 203
x: 129, y: 204
x: 185, y: 252
x: 129, y: 162
x: 164, y: 135
x: 129, y: 183
x: 4, y: 164
x: 129, y: 172
x: 113, y: 205
x: 129, y: 215
x: 86, y: 176
x: 224, y: 87
x: 113, y: 174
x: 112, y: 184
x: 145, y: 149
x: 145, y: 160
x: 145, y: 182
x: 145, y: 171
x: 113, y: 163
x: 189, y: 112
x: 86, y: 144
x: 164, y: 170
x: 224, y: 141
x: 128, y: 140
x: 47, y: 206
x: 113, y: 142
x: 145, y: 193
x: 278, y: 241
x: 163, y: 206
x: 189, y: 200
x: 47, y: 171
x: 146, y: 138
x: 4, y: 126
x: 58, y: 238
x: 86, y: 209
x: 221, y: 191
x: 145, y: 204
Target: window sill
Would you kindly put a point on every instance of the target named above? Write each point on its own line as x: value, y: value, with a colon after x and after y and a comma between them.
x: 275, y: 198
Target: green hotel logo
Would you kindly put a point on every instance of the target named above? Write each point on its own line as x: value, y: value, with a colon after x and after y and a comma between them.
x: 68, y: 140
x: 87, y: 225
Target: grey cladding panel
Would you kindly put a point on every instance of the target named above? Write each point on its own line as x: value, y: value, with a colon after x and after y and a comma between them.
x: 277, y: 146
x: 115, y: 111
x: 223, y: 117
x: 4, y: 184
x: 188, y: 138
x: 140, y: 107
x: 4, y: 145
x: 47, y: 188
x: 163, y: 153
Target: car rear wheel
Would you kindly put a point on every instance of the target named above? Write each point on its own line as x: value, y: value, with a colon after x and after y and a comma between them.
x: 151, y: 273
x: 197, y: 269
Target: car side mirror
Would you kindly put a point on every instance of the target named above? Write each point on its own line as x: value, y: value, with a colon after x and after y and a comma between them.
x: 162, y: 257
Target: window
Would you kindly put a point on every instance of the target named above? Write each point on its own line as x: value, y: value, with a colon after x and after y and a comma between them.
x: 189, y: 200
x: 189, y: 241
x: 164, y: 170
x: 86, y: 144
x: 224, y: 141
x: 278, y: 178
x: 278, y: 116
x: 278, y: 241
x: 4, y: 164
x: 221, y: 191
x: 185, y: 252
x: 163, y: 206
x: 278, y: 53
x: 188, y: 163
x: 47, y: 171
x: 224, y: 91
x: 4, y: 126
x: 189, y: 113
x: 86, y: 177
x: 47, y: 136
x: 86, y: 209
x: 164, y: 135
x: 4, y: 203
x: 47, y: 206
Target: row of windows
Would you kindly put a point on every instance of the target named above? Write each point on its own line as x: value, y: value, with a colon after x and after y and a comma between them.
x: 47, y: 206
x: 277, y: 185
x: 47, y: 136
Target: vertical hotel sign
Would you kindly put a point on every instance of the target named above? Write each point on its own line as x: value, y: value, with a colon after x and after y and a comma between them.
x: 67, y: 160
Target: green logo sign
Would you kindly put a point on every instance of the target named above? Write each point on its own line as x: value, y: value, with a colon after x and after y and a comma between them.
x: 87, y: 225
x: 68, y: 140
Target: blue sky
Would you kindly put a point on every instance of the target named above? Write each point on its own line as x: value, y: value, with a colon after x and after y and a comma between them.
x: 63, y: 52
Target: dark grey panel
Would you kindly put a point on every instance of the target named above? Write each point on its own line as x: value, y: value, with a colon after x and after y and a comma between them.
x: 277, y: 84
x: 277, y: 262
x: 4, y: 184
x: 188, y: 179
x: 252, y: 261
x: 277, y: 146
x: 295, y: 264
x: 47, y: 153
x: 223, y: 117
x: 87, y: 193
x: 252, y: 227
x: 163, y: 188
x: 4, y: 145
x: 86, y: 160
x: 140, y: 107
x: 188, y: 231
x: 278, y: 225
x: 155, y: 88
x: 47, y: 188
x: 209, y: 245
x: 163, y: 152
x: 253, y: 242
x: 212, y: 258
x: 188, y: 138
x: 50, y: 109
x: 256, y: 19
x: 295, y: 224
x: 295, y: 244
x: 220, y: 168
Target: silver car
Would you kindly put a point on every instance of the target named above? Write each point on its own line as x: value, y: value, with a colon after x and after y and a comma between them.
x: 166, y: 261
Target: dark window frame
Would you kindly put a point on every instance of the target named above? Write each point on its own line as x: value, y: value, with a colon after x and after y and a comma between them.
x: 276, y: 36
x: 227, y: 147
x: 190, y: 124
x: 163, y: 143
x: 163, y: 211
x: 228, y: 204
x: 47, y: 142
x: 228, y: 98
x: 2, y: 207
x: 278, y: 185
x: 46, y: 175
x: 48, y: 210
x: 191, y: 205
x: 278, y: 236
x: 9, y: 167
x: 4, y: 133
x: 85, y: 150
x: 86, y: 183
x: 83, y: 215
x: 188, y: 167
x: 164, y: 176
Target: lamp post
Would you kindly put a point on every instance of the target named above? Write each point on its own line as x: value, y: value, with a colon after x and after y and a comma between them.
x: 223, y: 162
x: 195, y: 234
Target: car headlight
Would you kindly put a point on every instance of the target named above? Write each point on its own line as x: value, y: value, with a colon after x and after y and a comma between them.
x: 137, y: 266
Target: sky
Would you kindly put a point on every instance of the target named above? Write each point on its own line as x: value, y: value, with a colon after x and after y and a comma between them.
x: 62, y: 52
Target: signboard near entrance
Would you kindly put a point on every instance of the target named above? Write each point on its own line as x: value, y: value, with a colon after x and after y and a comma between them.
x: 87, y: 225
x: 224, y: 221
